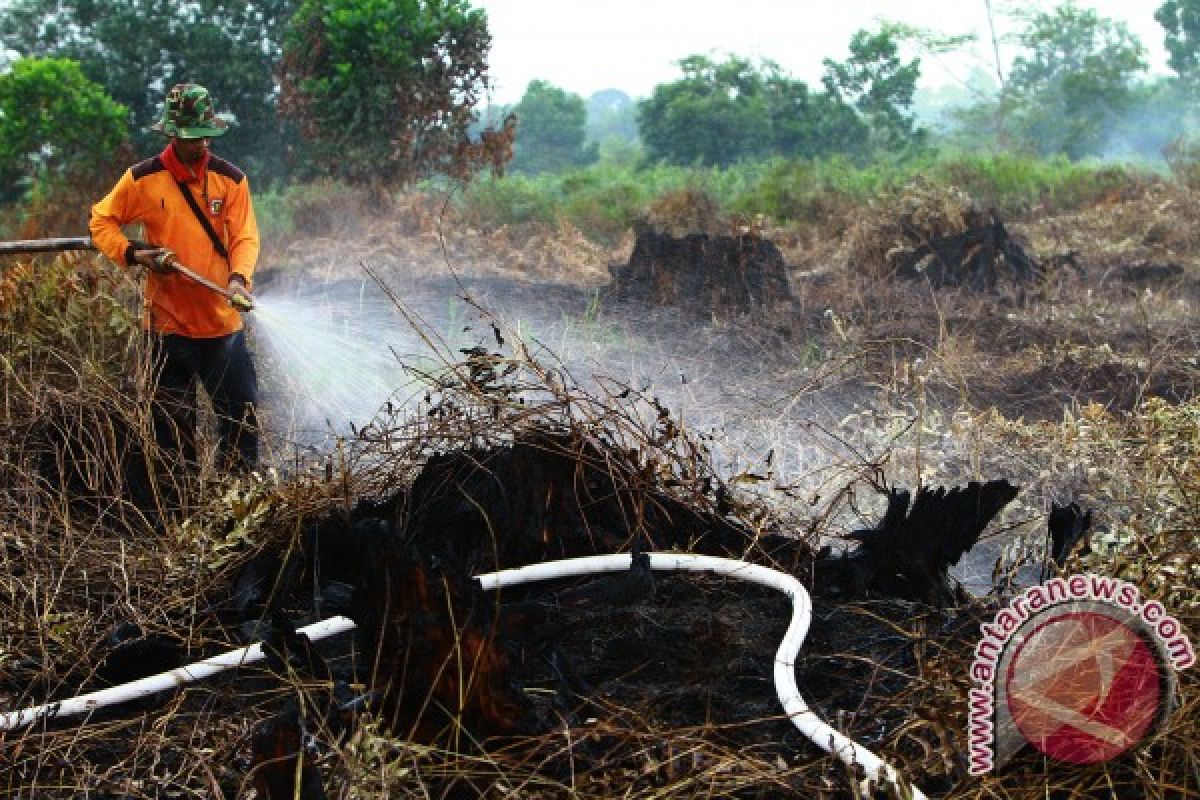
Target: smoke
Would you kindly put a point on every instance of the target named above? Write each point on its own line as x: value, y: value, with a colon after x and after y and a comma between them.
x: 1163, y: 113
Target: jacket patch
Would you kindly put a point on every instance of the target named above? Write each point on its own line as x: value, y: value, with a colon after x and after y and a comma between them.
x: 223, y: 167
x: 215, y: 205
x: 147, y: 167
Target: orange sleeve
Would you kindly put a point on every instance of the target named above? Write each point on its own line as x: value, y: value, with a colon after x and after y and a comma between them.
x: 243, y: 232
x: 116, y: 209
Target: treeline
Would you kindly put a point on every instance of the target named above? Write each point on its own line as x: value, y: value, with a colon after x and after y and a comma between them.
x: 1078, y: 87
x: 387, y: 92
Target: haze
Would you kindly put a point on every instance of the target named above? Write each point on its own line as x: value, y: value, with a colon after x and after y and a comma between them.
x: 587, y: 45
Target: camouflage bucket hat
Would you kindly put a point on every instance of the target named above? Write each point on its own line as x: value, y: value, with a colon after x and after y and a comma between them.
x: 188, y: 114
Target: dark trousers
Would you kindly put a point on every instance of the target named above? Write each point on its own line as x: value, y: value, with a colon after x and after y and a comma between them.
x: 224, y: 366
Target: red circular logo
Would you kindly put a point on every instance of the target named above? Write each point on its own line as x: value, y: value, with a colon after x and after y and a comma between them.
x: 1084, y: 687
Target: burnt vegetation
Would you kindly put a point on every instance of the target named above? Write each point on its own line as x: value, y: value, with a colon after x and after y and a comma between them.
x: 635, y: 682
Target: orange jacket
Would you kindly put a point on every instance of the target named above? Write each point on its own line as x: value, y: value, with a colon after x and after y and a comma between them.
x: 148, y: 193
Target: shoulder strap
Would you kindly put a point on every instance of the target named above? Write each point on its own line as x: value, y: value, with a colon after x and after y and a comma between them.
x: 208, y: 228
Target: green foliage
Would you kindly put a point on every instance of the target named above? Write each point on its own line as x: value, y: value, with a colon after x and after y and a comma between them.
x: 719, y: 114
x: 604, y: 200
x: 707, y: 117
x: 54, y: 124
x: 927, y: 40
x: 552, y: 129
x: 1018, y: 184
x: 797, y: 189
x: 1075, y: 79
x: 1012, y: 183
x: 384, y: 90
x: 136, y: 49
x: 810, y: 124
x: 1181, y: 21
x: 515, y: 200
x: 876, y: 82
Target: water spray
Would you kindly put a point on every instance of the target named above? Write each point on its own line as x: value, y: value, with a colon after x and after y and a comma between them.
x: 340, y: 354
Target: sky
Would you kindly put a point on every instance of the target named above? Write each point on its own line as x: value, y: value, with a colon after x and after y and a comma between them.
x: 587, y: 45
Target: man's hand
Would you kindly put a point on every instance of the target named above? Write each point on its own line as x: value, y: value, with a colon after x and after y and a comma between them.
x: 239, y: 296
x: 158, y: 259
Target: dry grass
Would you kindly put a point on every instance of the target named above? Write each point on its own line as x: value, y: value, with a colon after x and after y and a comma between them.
x: 1156, y: 224
x: 875, y: 240
x: 78, y: 557
x: 686, y: 211
x: 422, y: 233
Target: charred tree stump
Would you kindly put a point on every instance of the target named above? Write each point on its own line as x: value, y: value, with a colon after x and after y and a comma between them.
x: 908, y: 554
x: 977, y: 258
x: 440, y: 651
x: 730, y: 273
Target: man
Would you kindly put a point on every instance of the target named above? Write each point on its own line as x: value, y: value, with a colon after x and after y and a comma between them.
x: 196, y: 211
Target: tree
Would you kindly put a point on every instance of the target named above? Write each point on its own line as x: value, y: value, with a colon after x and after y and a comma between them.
x: 713, y: 115
x: 136, y: 49
x: 1174, y: 115
x: 1075, y: 80
x: 718, y: 114
x: 385, y: 90
x: 552, y: 130
x: 875, y: 81
x: 805, y: 123
x: 1181, y: 21
x: 54, y: 124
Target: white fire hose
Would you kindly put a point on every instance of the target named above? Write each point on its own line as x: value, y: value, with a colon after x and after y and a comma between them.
x: 172, y: 679
x: 876, y: 771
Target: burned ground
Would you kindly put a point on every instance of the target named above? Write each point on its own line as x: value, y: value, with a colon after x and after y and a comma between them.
x: 799, y: 421
x: 445, y: 662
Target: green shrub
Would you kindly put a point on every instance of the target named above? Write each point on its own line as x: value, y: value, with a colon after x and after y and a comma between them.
x: 515, y: 200
x: 605, y: 211
x: 1016, y: 184
x: 604, y: 199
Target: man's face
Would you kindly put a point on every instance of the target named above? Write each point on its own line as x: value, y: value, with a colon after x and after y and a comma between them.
x: 190, y: 151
